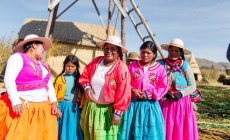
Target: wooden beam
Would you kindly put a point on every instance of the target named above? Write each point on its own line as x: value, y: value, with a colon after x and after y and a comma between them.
x: 123, y: 12
x: 51, y: 22
x: 123, y: 29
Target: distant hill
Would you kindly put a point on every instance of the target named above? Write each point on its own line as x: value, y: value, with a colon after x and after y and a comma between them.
x: 207, y: 64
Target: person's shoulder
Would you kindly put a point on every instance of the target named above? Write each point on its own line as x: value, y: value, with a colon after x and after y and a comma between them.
x: 185, y: 63
x: 60, y: 78
x: 134, y: 63
x: 15, y: 56
x: 96, y: 59
x: 161, y: 61
x: 121, y: 63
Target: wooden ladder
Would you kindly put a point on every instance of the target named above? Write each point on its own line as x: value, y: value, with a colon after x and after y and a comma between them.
x: 143, y: 22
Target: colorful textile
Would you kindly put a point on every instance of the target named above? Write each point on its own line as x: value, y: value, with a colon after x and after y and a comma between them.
x: 96, y: 122
x: 116, y: 80
x: 179, y: 117
x: 4, y: 101
x: 38, y: 94
x: 60, y: 88
x: 180, y: 120
x: 36, y: 122
x: 154, y: 81
x: 142, y: 121
x: 69, y: 123
x: 30, y: 76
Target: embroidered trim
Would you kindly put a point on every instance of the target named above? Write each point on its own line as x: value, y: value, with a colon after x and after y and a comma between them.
x: 118, y: 112
x: 86, y: 86
x: 31, y: 86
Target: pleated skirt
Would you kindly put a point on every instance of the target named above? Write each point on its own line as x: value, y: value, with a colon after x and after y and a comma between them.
x: 69, y: 124
x: 36, y: 121
x: 180, y: 120
x: 96, y: 122
x: 142, y: 121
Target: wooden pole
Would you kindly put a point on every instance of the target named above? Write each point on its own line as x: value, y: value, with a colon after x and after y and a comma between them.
x: 50, y: 25
x: 109, y: 18
x: 51, y: 22
x: 123, y: 29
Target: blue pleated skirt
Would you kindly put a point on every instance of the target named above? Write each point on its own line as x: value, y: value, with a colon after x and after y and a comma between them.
x: 69, y: 125
x: 142, y: 121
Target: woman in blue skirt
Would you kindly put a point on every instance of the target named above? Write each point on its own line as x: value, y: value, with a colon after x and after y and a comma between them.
x: 144, y: 120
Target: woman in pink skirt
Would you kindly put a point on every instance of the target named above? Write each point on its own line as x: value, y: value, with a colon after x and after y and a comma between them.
x: 180, y: 120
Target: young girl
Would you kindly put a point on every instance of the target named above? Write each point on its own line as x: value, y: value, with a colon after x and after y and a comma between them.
x: 144, y: 120
x: 69, y: 93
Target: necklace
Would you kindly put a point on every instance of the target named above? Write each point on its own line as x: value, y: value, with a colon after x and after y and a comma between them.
x: 32, y: 65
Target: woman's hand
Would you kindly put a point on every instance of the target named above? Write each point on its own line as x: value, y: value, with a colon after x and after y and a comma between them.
x: 17, y: 109
x: 137, y: 94
x: 59, y: 114
x: 177, y: 96
x: 54, y: 108
x: 116, y: 120
x: 88, y: 93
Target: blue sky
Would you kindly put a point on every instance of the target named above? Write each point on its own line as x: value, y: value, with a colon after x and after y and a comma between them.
x: 203, y: 25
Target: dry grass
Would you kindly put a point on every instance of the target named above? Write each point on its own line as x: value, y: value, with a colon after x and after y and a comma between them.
x: 6, y: 44
x: 213, y: 116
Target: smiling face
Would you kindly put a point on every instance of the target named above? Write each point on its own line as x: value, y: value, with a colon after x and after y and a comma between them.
x: 174, y: 53
x: 111, y: 53
x: 39, y: 50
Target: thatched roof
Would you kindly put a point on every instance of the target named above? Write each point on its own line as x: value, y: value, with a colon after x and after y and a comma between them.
x: 194, y: 65
x: 67, y: 32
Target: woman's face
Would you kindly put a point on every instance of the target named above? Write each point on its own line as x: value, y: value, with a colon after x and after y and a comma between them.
x: 110, y: 53
x: 39, y: 50
x: 147, y: 56
x: 174, y: 53
x: 70, y: 68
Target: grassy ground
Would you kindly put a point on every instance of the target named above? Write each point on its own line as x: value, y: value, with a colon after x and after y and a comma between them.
x: 213, y: 114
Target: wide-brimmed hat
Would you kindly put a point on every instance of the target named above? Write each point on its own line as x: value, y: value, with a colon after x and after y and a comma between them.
x: 133, y: 56
x: 177, y: 43
x: 33, y: 37
x: 113, y: 40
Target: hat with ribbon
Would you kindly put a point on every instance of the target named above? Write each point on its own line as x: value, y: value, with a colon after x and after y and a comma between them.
x: 176, y: 42
x: 33, y: 37
x: 112, y: 40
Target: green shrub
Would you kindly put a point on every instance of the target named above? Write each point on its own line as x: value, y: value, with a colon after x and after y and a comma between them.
x: 211, y: 74
x: 221, y: 78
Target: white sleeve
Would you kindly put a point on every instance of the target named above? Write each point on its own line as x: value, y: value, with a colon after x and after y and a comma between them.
x: 51, y: 92
x: 14, y: 66
x: 191, y: 82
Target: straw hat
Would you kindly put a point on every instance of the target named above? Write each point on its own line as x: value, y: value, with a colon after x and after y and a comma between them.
x: 133, y: 56
x: 113, y: 40
x: 177, y: 43
x: 33, y: 37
